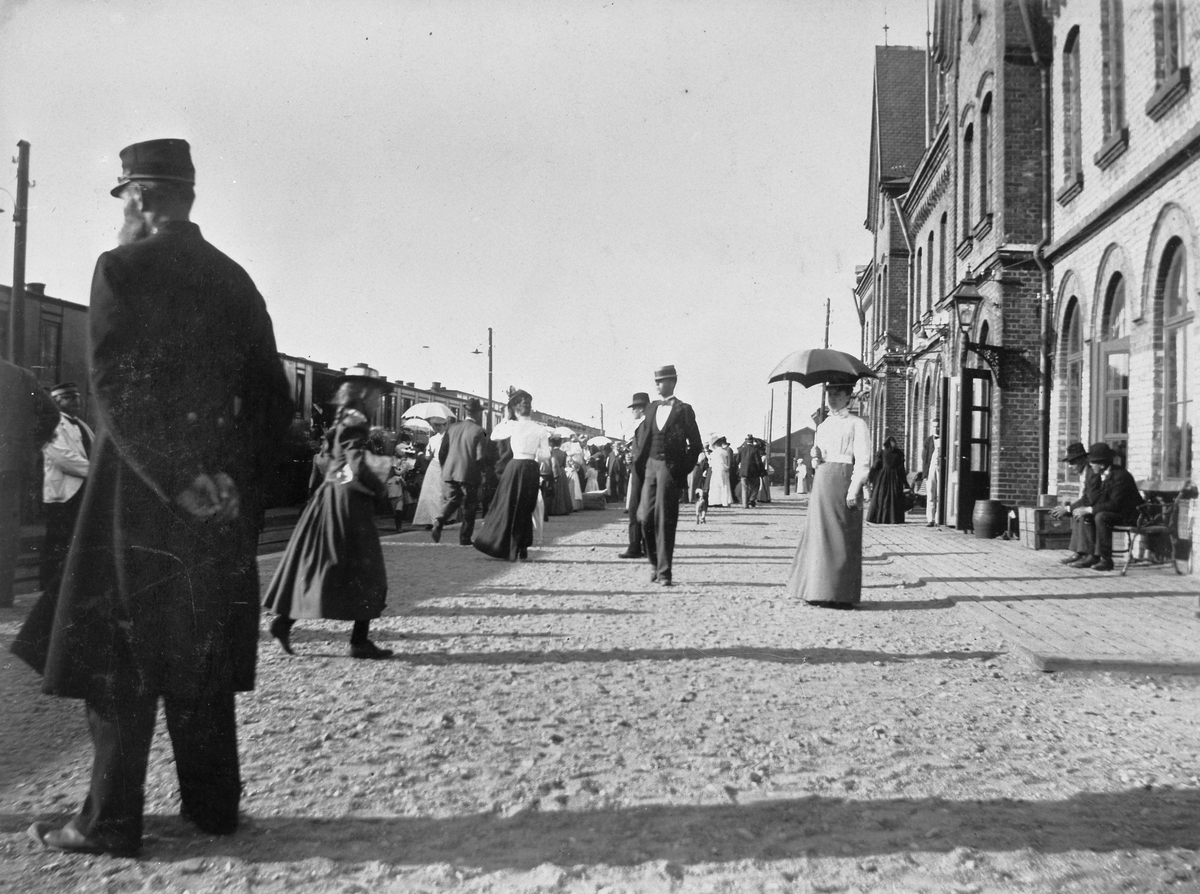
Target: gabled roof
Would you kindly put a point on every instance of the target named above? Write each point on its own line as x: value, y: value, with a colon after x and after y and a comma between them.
x: 897, y: 118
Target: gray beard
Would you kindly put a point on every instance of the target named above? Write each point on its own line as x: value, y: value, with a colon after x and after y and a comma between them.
x: 134, y: 230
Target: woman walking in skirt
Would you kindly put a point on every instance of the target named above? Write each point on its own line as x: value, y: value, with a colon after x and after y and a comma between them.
x: 507, y: 531
x: 827, y: 567
x: 333, y: 565
x: 887, y: 481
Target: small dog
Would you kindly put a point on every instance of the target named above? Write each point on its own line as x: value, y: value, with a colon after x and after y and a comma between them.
x: 701, y: 506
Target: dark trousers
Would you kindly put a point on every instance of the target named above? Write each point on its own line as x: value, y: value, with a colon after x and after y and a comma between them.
x: 60, y: 524
x: 1083, y: 535
x: 454, y: 495
x: 749, y: 492
x: 203, y: 732
x: 1105, y: 521
x: 659, y: 514
x: 636, y: 547
x: 10, y: 533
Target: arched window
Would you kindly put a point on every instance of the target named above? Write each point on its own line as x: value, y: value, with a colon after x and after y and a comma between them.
x: 985, y: 157
x: 929, y: 274
x: 917, y: 286
x: 1177, y: 315
x: 1112, y: 67
x: 943, y: 259
x: 1072, y: 114
x: 967, y: 186
x: 1114, y: 366
x: 1072, y: 379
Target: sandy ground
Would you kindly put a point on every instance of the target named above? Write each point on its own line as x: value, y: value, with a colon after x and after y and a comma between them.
x: 565, y: 725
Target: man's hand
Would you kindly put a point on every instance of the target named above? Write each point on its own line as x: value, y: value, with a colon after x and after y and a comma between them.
x: 211, y: 497
x: 1082, y: 511
x: 1059, y: 511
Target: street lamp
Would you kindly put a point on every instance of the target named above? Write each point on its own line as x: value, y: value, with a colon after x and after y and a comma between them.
x: 966, y: 298
x: 477, y: 351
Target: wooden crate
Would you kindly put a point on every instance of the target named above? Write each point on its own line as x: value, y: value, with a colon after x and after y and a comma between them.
x: 1040, y: 530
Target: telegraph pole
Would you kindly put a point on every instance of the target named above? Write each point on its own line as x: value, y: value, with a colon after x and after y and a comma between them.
x: 489, y: 378
x: 16, y: 301
x: 787, y: 447
x: 826, y: 346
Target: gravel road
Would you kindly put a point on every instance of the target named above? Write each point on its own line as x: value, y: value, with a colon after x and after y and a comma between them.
x: 567, y: 726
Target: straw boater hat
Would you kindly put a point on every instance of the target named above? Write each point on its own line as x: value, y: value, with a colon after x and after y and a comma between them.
x: 366, y: 375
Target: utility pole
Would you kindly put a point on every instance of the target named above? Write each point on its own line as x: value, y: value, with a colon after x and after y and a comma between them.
x: 770, y: 426
x: 826, y: 346
x: 489, y: 378
x: 16, y: 301
x: 601, y: 418
x: 787, y: 446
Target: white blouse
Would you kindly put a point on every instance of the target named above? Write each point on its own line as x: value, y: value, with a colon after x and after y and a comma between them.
x: 845, y: 438
x: 526, y: 438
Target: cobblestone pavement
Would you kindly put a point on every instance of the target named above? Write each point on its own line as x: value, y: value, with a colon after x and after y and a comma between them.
x: 565, y: 725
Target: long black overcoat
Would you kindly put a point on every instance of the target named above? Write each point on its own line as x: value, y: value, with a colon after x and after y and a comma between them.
x: 187, y: 380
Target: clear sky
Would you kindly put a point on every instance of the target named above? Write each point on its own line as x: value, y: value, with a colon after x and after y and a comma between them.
x: 610, y: 186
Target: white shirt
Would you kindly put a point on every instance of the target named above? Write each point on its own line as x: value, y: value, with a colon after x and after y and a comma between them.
x: 64, y: 461
x: 845, y: 438
x: 663, y: 413
x: 526, y: 438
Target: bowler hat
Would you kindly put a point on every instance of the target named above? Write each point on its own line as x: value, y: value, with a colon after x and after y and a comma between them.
x: 474, y: 406
x: 640, y: 399
x: 518, y: 396
x: 1075, y: 452
x: 64, y: 388
x: 1100, y: 453
x: 168, y: 159
x: 665, y: 372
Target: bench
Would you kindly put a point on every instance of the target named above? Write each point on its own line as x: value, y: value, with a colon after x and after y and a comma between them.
x: 1163, y: 530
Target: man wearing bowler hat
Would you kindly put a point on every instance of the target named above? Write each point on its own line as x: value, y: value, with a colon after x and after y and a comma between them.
x: 668, y: 452
x: 1116, y: 503
x: 633, y: 497
x: 1083, y: 525
x: 160, y: 596
x: 462, y: 456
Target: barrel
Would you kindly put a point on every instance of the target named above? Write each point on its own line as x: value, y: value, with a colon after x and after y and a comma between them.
x: 990, y: 519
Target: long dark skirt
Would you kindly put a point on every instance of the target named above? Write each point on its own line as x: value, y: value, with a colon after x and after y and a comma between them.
x: 827, y: 566
x: 333, y: 565
x: 507, y: 532
x: 887, y: 499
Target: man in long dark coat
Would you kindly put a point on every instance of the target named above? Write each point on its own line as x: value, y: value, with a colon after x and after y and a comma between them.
x: 159, y: 597
x: 669, y: 453
x: 462, y: 456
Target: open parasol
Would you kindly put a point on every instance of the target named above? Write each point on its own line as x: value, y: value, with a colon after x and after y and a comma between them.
x: 820, y: 366
x: 433, y: 411
x: 598, y: 441
x: 415, y: 425
x: 562, y: 431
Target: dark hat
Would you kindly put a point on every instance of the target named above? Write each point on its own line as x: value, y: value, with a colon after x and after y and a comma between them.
x: 519, y: 395
x: 1100, y: 453
x: 64, y: 388
x: 1075, y: 452
x: 665, y: 372
x: 168, y: 159
x: 474, y: 406
x: 640, y: 399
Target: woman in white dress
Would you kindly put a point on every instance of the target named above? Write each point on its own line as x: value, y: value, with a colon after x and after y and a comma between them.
x: 827, y: 567
x: 508, y: 528
x: 719, y: 493
x: 574, y: 464
x: 429, y: 504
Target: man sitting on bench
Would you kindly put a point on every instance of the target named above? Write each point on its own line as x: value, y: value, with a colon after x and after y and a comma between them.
x: 1117, y: 504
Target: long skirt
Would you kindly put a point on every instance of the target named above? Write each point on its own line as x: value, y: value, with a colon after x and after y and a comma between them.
x: 563, y: 504
x: 507, y: 531
x: 333, y: 565
x: 764, y: 489
x: 429, y: 506
x: 827, y: 566
x: 887, y: 499
x: 576, y: 489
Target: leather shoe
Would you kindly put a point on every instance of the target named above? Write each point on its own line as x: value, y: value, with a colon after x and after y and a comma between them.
x: 209, y: 827
x: 629, y: 554
x: 282, y: 631
x: 71, y: 840
x: 654, y: 576
x: 1085, y: 562
x: 436, y: 533
x: 1074, y: 557
x: 931, y: 524
x: 665, y: 580
x: 369, y: 651
x: 1103, y: 565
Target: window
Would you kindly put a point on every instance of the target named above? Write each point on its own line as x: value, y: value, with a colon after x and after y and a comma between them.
x: 301, y: 388
x: 1112, y: 67
x: 929, y: 275
x: 985, y: 159
x: 1168, y: 39
x: 1072, y: 135
x: 942, y: 255
x: 967, y: 185
x: 1114, y: 367
x: 1177, y: 318
x: 917, y: 285
x: 1073, y: 373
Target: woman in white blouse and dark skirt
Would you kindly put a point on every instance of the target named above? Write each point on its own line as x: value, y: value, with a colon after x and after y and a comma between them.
x: 827, y: 568
x: 507, y: 531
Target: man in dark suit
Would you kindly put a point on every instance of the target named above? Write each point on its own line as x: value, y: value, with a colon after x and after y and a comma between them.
x: 669, y: 452
x: 1116, y: 503
x: 160, y: 593
x: 636, y: 549
x: 463, y: 454
x: 750, y: 470
x: 28, y: 418
x: 1083, y: 525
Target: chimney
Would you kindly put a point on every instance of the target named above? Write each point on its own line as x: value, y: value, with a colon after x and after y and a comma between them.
x: 436, y: 386
x: 35, y: 288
